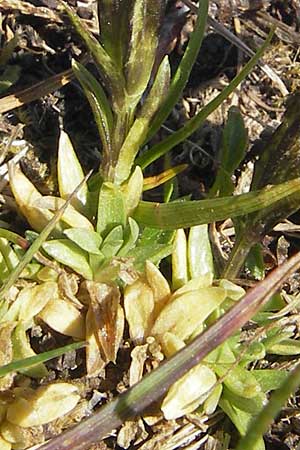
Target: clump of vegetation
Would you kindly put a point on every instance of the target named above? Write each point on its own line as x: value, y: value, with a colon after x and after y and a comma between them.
x: 89, y: 263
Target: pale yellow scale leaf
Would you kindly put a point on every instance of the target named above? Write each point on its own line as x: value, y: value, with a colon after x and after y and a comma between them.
x: 202, y: 281
x: 63, y: 317
x: 159, y: 285
x: 4, y: 445
x: 170, y: 344
x: 183, y: 314
x: 188, y: 392
x: 34, y: 299
x: 25, y: 195
x: 139, y: 307
x: 21, y: 438
x: 71, y: 216
x: 234, y: 291
x: 70, y: 173
x: 46, y: 404
x: 179, y: 260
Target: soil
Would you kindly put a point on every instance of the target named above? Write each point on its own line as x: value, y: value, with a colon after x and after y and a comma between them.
x: 46, y: 45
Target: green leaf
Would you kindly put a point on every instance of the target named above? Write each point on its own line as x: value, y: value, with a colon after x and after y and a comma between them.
x: 153, y: 245
x: 233, y: 149
x: 9, y: 77
x: 270, y: 379
x: 239, y: 381
x: 260, y: 425
x: 113, y: 242
x: 139, y: 129
x: 111, y: 208
x: 112, y: 76
x: 88, y: 240
x: 193, y: 124
x: 32, y: 361
x: 183, y: 71
x: 250, y: 405
x: 186, y: 214
x: 241, y: 420
x: 255, y: 262
x: 69, y: 254
x: 287, y: 347
x: 131, y: 234
x: 114, y: 27
x: 145, y: 22
x: 200, y: 259
x: 22, y: 349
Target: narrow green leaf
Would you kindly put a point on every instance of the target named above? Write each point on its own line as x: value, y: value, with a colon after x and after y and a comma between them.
x: 114, y: 27
x: 69, y: 254
x: 99, y: 104
x: 182, y: 74
x: 139, y: 129
x: 145, y: 22
x: 171, y: 216
x: 38, y: 359
x: 193, y: 124
x: 179, y: 260
x: 233, y: 149
x: 110, y: 72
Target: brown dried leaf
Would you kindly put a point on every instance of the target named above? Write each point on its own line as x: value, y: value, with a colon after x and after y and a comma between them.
x: 94, y: 360
x: 108, y: 317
